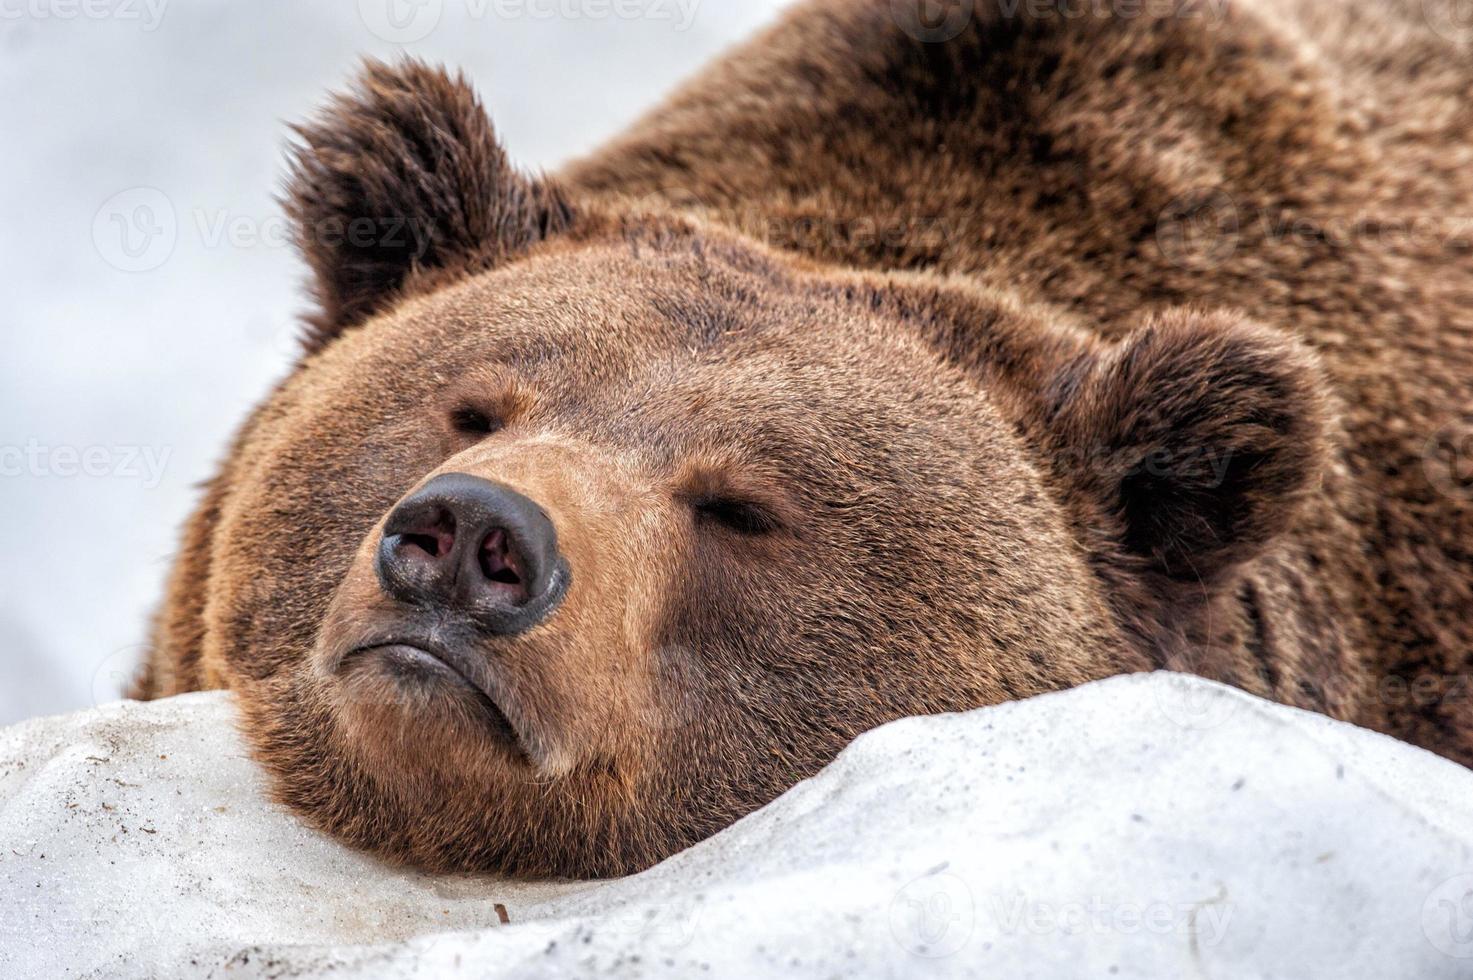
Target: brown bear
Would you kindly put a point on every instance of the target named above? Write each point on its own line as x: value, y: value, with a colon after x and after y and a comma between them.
x: 893, y: 366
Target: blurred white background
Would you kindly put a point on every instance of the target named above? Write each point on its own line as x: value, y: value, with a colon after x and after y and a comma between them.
x: 149, y: 294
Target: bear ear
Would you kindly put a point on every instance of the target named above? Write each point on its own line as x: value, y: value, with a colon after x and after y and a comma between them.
x: 1191, y: 442
x: 402, y: 177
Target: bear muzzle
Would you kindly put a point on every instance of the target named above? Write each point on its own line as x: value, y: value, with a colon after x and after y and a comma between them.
x: 492, y: 610
x: 465, y: 561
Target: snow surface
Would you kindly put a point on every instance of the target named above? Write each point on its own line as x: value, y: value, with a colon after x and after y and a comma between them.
x: 1145, y: 826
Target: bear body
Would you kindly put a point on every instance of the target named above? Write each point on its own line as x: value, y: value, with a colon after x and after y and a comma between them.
x: 888, y: 368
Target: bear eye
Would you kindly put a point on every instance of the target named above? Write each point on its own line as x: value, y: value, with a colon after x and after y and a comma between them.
x: 474, y: 422
x: 741, y: 516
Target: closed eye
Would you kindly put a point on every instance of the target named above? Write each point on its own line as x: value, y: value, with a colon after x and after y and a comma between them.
x: 740, y: 516
x: 474, y: 422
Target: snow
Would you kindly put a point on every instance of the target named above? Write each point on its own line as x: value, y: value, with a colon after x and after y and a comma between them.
x: 1145, y: 826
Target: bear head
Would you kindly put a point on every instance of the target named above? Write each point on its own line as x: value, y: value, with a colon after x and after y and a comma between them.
x: 585, y: 527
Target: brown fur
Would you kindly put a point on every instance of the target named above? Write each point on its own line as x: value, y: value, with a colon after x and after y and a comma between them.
x: 930, y: 306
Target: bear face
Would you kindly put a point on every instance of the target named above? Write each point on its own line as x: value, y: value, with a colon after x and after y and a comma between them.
x: 584, y: 529
x: 775, y: 542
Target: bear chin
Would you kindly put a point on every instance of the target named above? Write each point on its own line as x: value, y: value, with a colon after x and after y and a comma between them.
x: 433, y: 686
x: 417, y: 773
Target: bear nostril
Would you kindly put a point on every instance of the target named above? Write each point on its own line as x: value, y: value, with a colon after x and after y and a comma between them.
x: 436, y: 538
x: 464, y: 545
x: 499, y: 562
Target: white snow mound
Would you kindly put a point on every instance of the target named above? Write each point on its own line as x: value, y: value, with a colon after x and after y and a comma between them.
x: 1147, y: 826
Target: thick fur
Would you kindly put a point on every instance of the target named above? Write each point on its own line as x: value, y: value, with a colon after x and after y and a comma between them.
x: 1063, y: 347
x: 401, y: 184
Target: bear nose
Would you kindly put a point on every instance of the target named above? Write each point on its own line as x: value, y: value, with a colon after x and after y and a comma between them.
x: 467, y: 544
